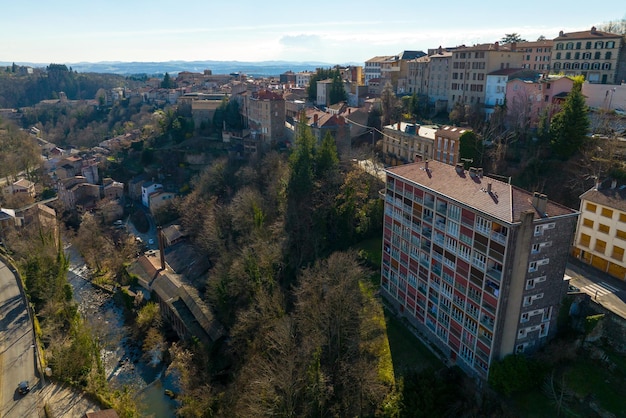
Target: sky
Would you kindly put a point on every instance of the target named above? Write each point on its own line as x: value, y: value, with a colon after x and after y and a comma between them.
x: 72, y: 31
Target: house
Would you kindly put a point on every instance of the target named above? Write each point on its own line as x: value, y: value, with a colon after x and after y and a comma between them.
x: 592, y: 53
x: 528, y: 98
x: 475, y: 264
x: 147, y: 189
x: 322, y: 122
x: 173, y: 234
x: 76, y: 193
x: 601, y: 232
x: 24, y: 186
x: 159, y: 199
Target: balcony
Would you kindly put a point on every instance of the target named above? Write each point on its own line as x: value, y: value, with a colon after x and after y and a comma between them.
x: 494, y: 274
x: 498, y: 237
x: 429, y: 203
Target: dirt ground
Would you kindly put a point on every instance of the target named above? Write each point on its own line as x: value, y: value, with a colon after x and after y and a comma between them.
x: 65, y: 402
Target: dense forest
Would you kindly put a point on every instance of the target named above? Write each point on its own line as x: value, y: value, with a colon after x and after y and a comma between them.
x: 19, y: 89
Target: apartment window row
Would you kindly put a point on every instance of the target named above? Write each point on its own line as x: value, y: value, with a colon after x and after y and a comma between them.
x: 583, y: 66
x: 539, y: 229
x: 588, y: 45
x: 585, y: 55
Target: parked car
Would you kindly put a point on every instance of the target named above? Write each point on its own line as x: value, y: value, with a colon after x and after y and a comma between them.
x: 23, y: 387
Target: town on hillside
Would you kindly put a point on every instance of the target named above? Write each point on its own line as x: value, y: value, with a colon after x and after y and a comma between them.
x: 355, y: 240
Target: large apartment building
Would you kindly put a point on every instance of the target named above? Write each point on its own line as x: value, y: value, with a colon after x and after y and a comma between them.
x: 475, y: 264
x: 592, y: 53
x: 264, y: 112
x: 601, y: 233
x: 469, y: 69
x: 536, y: 55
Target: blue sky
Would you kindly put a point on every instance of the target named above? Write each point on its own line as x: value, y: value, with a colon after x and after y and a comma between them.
x: 69, y: 31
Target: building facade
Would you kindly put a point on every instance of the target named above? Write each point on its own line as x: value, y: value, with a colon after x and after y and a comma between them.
x: 475, y: 264
x: 591, y: 53
x: 372, y: 68
x: 470, y: 66
x: 601, y: 233
x: 536, y: 55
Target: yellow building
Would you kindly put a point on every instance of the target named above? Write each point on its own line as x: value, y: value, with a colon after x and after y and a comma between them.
x: 601, y: 233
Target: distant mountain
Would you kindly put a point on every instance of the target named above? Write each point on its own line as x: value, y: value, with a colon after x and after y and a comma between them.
x: 263, y: 68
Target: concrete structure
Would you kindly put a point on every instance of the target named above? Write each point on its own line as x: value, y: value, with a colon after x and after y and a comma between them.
x: 591, y: 53
x: 536, y: 55
x: 323, y: 92
x: 469, y: 69
x: 599, y: 96
x: 475, y: 264
x: 601, y: 233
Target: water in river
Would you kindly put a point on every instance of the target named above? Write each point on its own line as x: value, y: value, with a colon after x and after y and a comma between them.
x: 122, y: 355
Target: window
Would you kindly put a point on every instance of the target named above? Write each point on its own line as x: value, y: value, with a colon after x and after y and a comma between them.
x: 558, y: 55
x: 607, y: 55
x: 620, y: 234
x: 588, y: 45
x: 578, y: 44
x: 607, y: 213
x: 532, y: 266
x: 560, y: 45
x: 530, y: 283
x: 590, y: 207
x: 577, y: 56
x: 524, y: 317
x: 587, y: 55
x: 597, y: 55
x: 569, y: 45
x: 598, y: 45
x: 606, y: 66
x: 603, y: 228
x: 618, y: 253
x: 536, y: 248
x: 568, y: 55
x: 588, y: 223
x: 622, y: 217
x: 585, y: 240
x: 600, y: 246
x: 609, y: 45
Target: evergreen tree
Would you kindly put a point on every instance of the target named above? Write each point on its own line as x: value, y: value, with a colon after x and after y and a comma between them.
x: 569, y: 127
x: 167, y: 82
x: 326, y: 158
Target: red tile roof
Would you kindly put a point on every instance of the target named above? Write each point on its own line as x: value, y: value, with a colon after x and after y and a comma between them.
x: 505, y: 202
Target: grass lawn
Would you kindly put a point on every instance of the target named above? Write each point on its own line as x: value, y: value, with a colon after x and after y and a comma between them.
x: 589, y: 377
x: 407, y: 351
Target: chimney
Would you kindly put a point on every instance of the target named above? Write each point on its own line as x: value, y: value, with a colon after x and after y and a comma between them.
x: 161, y: 246
x: 440, y: 50
x: 459, y: 168
x: 540, y: 202
x: 593, y: 29
x: 479, y: 171
x: 513, y: 46
x: 315, y: 119
x: 613, y: 184
x: 489, y: 188
x: 399, y: 126
x: 560, y: 33
x: 426, y: 165
x: 598, y: 183
x: 497, y: 45
x: 472, y: 171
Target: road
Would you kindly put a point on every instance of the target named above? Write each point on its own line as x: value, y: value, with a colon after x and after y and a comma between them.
x: 603, y: 289
x: 17, y: 350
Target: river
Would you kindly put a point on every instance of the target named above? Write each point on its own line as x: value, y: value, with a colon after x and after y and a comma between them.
x: 123, y: 359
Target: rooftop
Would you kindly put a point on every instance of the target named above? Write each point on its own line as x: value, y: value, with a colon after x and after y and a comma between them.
x: 493, y: 197
x: 608, y: 193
